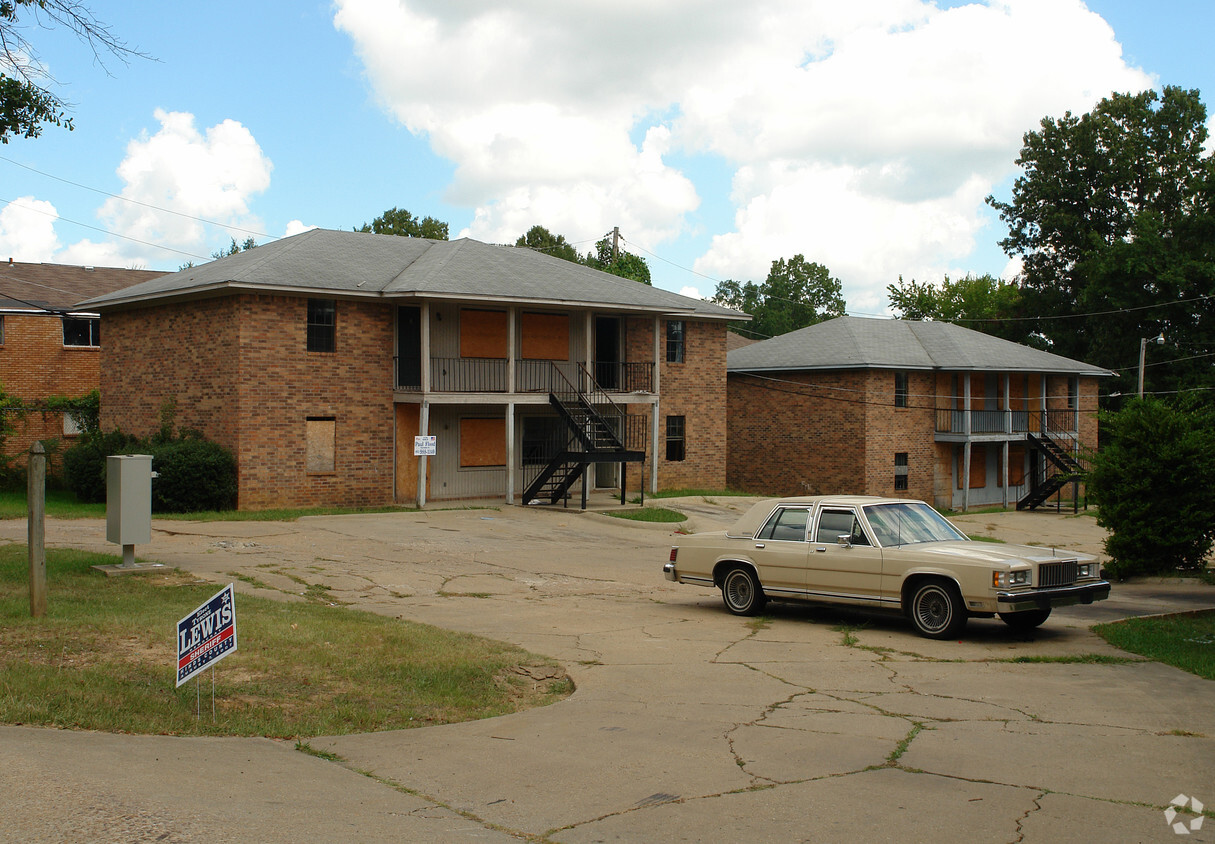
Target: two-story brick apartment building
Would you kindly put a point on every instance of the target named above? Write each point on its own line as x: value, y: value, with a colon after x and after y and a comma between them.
x: 320, y: 359
x: 925, y: 410
x: 47, y: 347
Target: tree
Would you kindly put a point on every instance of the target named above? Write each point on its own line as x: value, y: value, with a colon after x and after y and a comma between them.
x: 983, y: 303
x: 624, y: 264
x: 26, y: 105
x: 244, y: 246
x: 542, y: 240
x: 1112, y: 218
x: 1154, y: 483
x: 400, y: 222
x: 796, y: 293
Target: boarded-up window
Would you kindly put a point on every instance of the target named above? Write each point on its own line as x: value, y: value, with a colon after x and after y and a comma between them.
x: 483, y: 334
x: 482, y: 442
x: 321, y: 444
x: 1016, y: 465
x: 978, y: 466
x: 545, y: 336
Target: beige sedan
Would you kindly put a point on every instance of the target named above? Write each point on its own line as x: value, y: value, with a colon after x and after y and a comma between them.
x: 885, y: 553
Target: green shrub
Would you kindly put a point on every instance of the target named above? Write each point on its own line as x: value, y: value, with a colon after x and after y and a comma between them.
x: 193, y: 474
x: 1154, y: 482
x: 84, y: 463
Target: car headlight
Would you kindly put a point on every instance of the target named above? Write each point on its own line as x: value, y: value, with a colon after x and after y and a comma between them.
x: 1086, y: 570
x: 1005, y: 579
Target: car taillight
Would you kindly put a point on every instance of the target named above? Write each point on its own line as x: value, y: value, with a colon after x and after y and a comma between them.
x: 674, y: 553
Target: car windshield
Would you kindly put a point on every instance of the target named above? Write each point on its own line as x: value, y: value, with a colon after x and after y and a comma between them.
x: 906, y: 524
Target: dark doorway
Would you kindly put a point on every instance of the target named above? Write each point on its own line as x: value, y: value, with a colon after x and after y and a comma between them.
x: 607, y: 352
x: 409, y: 347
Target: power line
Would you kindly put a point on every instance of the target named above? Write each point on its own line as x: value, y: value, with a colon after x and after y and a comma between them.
x: 58, y: 216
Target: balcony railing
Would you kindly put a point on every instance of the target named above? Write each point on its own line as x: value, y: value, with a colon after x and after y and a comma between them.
x: 490, y: 375
x: 951, y: 421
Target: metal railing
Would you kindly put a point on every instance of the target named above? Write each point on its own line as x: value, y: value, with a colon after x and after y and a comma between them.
x: 490, y: 375
x: 951, y: 421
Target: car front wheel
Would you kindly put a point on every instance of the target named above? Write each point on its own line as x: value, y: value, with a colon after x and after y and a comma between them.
x: 741, y: 592
x: 936, y: 610
x: 1025, y: 620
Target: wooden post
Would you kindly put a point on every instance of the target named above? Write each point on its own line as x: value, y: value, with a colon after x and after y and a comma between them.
x: 36, y: 500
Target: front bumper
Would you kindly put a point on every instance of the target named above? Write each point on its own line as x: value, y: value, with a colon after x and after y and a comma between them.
x: 1063, y: 596
x: 668, y: 571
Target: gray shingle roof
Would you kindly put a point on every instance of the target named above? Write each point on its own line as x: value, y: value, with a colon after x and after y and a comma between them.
x: 55, y: 287
x: 359, y: 264
x: 858, y: 343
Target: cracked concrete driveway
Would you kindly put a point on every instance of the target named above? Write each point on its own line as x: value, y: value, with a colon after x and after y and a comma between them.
x: 688, y: 724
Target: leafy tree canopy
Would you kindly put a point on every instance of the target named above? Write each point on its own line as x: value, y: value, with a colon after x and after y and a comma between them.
x: 400, y: 222
x: 542, y: 240
x: 26, y: 104
x: 796, y: 293
x: 624, y: 264
x: 1113, y: 219
x: 983, y: 303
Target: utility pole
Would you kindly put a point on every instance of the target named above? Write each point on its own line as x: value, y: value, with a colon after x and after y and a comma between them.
x: 615, y: 244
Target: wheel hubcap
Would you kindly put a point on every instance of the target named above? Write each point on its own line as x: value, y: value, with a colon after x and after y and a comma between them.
x: 740, y: 591
x: 933, y: 611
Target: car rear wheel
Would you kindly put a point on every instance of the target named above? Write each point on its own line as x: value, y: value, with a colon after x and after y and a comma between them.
x: 1027, y: 620
x: 936, y: 610
x: 741, y: 592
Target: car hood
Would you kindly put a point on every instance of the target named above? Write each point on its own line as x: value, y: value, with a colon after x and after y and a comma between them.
x: 987, y: 552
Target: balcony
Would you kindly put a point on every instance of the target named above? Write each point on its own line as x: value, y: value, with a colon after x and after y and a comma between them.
x: 491, y: 375
x: 952, y: 423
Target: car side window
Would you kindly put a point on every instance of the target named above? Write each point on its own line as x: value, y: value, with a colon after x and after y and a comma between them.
x: 787, y: 525
x: 832, y: 524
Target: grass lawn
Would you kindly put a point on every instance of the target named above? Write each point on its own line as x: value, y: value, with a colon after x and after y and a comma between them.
x: 1183, y: 641
x: 103, y: 659
x: 649, y: 514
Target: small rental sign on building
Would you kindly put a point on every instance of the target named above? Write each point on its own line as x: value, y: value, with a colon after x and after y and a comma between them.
x: 207, y: 635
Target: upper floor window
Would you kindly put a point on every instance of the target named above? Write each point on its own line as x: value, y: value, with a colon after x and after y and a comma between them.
x: 322, y: 325
x: 78, y: 331
x: 900, y: 389
x: 901, y: 470
x: 674, y: 341
x: 1, y: 329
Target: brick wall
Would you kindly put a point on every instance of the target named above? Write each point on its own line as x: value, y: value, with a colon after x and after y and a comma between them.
x: 34, y: 364
x: 238, y: 369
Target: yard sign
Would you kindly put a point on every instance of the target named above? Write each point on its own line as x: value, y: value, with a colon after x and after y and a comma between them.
x: 424, y: 446
x: 207, y: 635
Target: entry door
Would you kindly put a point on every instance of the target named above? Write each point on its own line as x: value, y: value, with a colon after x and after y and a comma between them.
x: 409, y: 346
x: 607, y: 352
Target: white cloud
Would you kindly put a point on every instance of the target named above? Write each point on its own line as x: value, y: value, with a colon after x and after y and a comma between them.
x: 27, y: 230
x: 297, y: 227
x: 861, y: 135
x: 690, y: 292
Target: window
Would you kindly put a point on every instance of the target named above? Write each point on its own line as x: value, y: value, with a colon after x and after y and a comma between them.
x: 787, y: 525
x: 675, y: 342
x: 900, y: 470
x: 81, y: 332
x: 832, y: 524
x: 482, y: 443
x: 675, y: 438
x: 1, y: 329
x: 322, y: 325
x: 320, y: 447
x: 900, y: 389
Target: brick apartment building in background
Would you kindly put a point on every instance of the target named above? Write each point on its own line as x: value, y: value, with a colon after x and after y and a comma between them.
x: 47, y: 346
x: 320, y: 358
x: 926, y: 410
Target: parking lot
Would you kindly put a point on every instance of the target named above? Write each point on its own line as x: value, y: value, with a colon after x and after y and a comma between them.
x: 687, y: 723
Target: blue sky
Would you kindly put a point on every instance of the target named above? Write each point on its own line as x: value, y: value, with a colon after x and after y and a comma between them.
x: 717, y: 137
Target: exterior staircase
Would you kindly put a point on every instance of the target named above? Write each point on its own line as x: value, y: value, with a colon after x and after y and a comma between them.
x: 1058, y: 469
x: 597, y: 430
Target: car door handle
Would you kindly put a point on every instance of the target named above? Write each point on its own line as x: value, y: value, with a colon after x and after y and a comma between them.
x: 759, y: 545
x: 822, y: 549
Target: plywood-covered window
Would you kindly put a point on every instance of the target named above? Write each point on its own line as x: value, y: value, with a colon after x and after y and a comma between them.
x: 545, y: 336
x: 320, y: 444
x: 483, y: 334
x: 978, y: 466
x: 1016, y: 465
x: 482, y: 443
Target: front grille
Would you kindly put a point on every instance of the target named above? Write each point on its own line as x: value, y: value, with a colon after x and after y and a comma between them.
x: 1057, y: 574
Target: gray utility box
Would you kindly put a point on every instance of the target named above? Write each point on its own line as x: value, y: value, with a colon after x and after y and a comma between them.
x: 128, y: 499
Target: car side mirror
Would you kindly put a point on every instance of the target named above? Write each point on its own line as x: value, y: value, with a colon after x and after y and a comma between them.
x: 844, y: 540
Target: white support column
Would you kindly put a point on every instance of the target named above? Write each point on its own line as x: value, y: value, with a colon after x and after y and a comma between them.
x: 510, y: 453
x: 967, y: 427
x: 590, y: 370
x: 512, y: 384
x: 658, y: 356
x: 423, y: 430
x: 1007, y: 434
x: 425, y: 349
